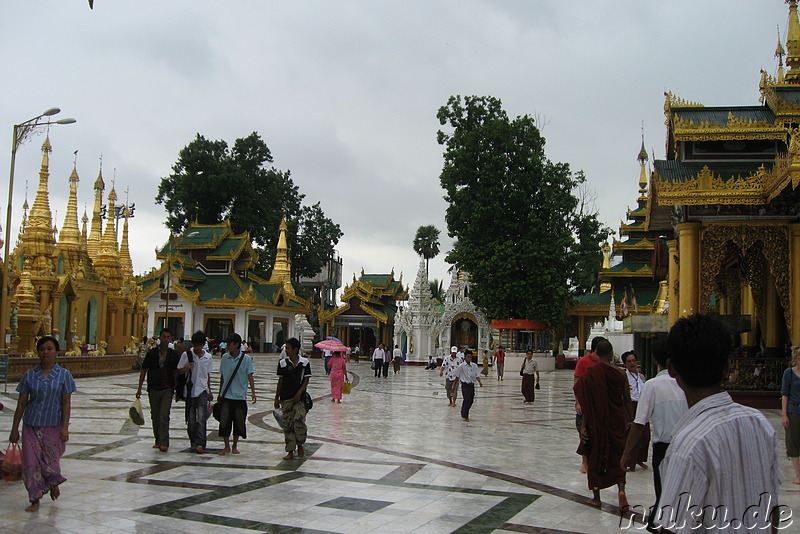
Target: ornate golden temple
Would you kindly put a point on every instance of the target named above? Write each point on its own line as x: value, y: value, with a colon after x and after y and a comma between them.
x: 75, y: 285
x: 721, y: 221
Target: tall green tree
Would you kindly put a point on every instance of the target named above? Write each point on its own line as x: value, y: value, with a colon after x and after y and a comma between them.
x: 512, y: 212
x: 426, y: 243
x: 212, y: 181
x: 437, y: 290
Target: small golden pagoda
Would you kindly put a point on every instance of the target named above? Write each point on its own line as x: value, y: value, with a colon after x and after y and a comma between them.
x: 59, y: 290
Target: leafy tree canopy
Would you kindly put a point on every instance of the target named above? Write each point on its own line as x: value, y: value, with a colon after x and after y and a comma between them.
x: 211, y: 181
x: 519, y: 229
x: 426, y: 242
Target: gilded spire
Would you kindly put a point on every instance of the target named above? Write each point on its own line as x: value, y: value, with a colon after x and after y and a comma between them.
x: 779, y: 53
x: 124, y: 250
x: 93, y: 244
x: 282, y: 269
x: 793, y: 45
x: 84, y: 233
x: 70, y: 233
x: 37, y: 238
x: 108, y: 243
x: 642, y: 158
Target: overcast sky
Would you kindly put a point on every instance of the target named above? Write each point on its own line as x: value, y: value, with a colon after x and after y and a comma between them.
x: 345, y: 94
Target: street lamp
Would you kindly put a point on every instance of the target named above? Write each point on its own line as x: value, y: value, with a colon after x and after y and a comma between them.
x: 21, y: 132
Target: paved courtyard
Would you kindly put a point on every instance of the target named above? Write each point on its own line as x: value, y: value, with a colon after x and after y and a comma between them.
x: 392, y: 457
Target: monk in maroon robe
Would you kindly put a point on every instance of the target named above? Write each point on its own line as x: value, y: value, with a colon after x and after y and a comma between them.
x: 604, y: 395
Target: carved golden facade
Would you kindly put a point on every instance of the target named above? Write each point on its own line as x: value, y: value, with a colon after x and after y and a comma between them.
x: 731, y: 179
x: 59, y: 290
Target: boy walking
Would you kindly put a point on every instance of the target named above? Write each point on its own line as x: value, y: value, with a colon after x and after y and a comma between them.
x: 294, y: 371
x: 197, y: 363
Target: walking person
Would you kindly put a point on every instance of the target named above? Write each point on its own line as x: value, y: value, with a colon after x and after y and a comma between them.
x: 530, y: 367
x: 584, y: 363
x: 500, y: 361
x: 386, y: 360
x: 160, y: 365
x: 235, y: 372
x: 448, y: 369
x: 790, y: 411
x: 337, y: 369
x: 377, y: 360
x: 723, y: 455
x: 198, y: 364
x: 397, y: 359
x: 43, y: 406
x: 662, y: 403
x: 467, y: 373
x: 485, y: 370
x: 294, y: 372
x: 636, y: 382
x: 604, y: 395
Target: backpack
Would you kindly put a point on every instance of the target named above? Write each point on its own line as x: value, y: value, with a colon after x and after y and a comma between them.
x: 183, y: 382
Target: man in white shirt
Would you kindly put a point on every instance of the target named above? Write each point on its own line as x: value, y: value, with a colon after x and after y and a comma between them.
x: 397, y: 359
x: 377, y: 360
x: 721, y: 471
x: 467, y: 373
x: 636, y: 383
x: 661, y: 402
x: 199, y: 383
x: 448, y: 369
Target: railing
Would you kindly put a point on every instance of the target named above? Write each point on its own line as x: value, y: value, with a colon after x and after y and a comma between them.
x: 755, y: 374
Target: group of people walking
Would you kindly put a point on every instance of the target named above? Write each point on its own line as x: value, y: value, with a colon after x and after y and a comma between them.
x: 382, y: 359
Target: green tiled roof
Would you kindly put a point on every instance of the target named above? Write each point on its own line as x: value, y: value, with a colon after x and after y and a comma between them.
x: 681, y: 171
x: 792, y: 94
x: 719, y: 115
x: 217, y: 287
x: 268, y: 291
x: 594, y: 299
x: 226, y: 248
x: 202, y: 235
x: 375, y: 279
x: 628, y: 265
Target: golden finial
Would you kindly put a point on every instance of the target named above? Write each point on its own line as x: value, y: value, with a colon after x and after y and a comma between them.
x: 793, y: 45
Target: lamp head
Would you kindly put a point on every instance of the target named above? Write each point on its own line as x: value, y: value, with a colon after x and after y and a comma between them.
x: 65, y: 121
x: 52, y: 111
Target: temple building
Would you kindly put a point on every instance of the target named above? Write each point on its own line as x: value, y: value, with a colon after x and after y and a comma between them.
x: 425, y: 327
x: 206, y: 282
x: 367, y: 316
x: 632, y: 280
x: 82, y: 294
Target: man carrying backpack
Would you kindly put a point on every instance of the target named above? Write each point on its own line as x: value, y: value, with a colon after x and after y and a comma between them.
x: 294, y: 372
x: 196, y: 365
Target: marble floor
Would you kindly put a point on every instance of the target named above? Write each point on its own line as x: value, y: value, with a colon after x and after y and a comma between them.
x: 392, y: 457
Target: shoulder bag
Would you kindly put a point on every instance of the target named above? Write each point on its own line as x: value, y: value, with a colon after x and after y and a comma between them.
x: 217, y: 409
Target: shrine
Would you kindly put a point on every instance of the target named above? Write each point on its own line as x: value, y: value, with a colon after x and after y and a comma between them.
x: 367, y: 316
x: 206, y: 282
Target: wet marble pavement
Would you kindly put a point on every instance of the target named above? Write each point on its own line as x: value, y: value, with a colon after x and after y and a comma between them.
x: 392, y: 457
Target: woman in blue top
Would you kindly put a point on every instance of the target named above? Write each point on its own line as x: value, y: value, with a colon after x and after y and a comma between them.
x: 44, y: 406
x: 790, y: 411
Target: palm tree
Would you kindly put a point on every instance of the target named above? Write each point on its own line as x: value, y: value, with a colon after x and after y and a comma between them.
x: 426, y: 242
x: 437, y: 290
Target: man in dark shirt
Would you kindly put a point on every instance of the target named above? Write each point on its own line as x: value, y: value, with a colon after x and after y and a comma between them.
x: 293, y: 374
x: 160, y: 364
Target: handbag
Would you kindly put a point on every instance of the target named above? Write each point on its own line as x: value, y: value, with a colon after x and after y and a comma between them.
x: 308, y: 401
x: 12, y: 463
x: 217, y: 409
x: 135, y: 412
x: 347, y: 387
x: 536, y: 386
x: 183, y: 382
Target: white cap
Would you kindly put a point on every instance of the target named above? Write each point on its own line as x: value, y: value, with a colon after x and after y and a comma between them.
x: 453, y: 349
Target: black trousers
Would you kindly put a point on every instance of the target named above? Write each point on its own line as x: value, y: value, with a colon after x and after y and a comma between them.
x: 468, y: 392
x: 659, y: 451
x: 378, y: 366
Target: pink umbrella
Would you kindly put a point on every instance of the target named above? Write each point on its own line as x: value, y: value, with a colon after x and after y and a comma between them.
x: 333, y: 345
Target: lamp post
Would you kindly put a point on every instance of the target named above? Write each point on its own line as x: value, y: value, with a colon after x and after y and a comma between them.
x: 21, y: 132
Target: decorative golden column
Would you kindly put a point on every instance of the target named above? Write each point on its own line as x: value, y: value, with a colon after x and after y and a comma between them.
x: 771, y: 325
x: 689, y: 275
x: 748, y: 308
x: 672, y: 277
x: 794, y: 291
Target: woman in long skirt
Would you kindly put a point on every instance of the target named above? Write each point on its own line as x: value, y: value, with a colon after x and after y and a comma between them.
x: 45, y: 394
x: 529, y: 368
x: 338, y: 371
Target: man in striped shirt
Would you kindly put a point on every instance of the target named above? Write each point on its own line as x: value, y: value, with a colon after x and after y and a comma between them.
x: 721, y: 471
